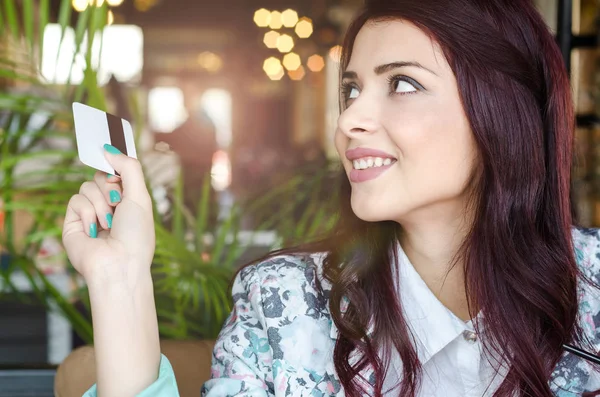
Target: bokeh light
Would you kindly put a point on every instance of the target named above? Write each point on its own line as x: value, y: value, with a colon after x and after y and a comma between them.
x: 297, y: 74
x: 262, y: 18
x: 276, y: 21
x: 80, y: 5
x: 315, y: 63
x: 289, y: 18
x: 210, y: 61
x: 278, y: 75
x: 110, y: 18
x: 304, y: 28
x: 285, y: 43
x: 292, y: 61
x: 270, y: 39
x: 272, y: 66
x: 335, y: 53
x: 114, y: 3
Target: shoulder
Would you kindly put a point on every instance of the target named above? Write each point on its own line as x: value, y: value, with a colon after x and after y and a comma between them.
x: 293, y: 271
x: 285, y: 285
x: 586, y: 244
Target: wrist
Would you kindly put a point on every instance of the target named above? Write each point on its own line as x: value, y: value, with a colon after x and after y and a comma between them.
x: 127, y: 279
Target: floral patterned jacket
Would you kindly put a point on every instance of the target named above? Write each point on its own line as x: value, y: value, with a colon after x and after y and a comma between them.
x: 279, y: 338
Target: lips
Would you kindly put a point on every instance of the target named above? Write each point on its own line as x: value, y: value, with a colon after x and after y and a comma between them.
x: 368, y: 174
x: 358, y: 153
x: 358, y: 176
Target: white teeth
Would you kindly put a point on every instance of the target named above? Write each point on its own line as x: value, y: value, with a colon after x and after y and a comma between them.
x: 370, y: 162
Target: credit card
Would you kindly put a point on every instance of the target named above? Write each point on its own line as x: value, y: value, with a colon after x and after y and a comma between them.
x: 93, y: 129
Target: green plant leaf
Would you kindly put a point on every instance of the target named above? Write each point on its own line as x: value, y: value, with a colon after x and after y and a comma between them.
x: 43, y: 18
x: 28, y: 17
x: 64, y: 17
x: 178, y: 226
x: 80, y: 30
x: 202, y: 214
x: 10, y: 12
x: 226, y: 229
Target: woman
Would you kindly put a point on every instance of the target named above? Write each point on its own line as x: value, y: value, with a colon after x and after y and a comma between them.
x: 453, y: 270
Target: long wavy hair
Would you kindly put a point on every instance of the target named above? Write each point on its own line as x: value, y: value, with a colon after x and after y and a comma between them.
x: 518, y: 255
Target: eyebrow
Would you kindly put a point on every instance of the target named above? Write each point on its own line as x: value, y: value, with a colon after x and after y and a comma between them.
x: 381, y: 69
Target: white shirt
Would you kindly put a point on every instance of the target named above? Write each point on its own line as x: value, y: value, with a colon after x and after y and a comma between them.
x: 450, y: 352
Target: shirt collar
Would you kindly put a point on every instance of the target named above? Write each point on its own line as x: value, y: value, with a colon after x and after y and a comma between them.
x: 433, y: 325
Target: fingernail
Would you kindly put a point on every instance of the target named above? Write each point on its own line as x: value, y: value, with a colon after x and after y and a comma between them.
x: 93, y: 230
x: 115, y: 197
x: 109, y: 220
x: 109, y: 175
x: 111, y: 149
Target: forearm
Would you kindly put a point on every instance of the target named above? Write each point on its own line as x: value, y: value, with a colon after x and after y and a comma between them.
x: 125, y: 337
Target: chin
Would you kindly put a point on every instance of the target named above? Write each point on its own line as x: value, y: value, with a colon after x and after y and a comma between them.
x: 371, y: 212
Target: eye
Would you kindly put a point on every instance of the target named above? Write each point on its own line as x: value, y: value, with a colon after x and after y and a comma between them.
x: 349, y: 91
x: 403, y: 85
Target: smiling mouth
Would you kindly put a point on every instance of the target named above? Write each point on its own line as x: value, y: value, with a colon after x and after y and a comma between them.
x: 372, y: 169
x: 371, y: 162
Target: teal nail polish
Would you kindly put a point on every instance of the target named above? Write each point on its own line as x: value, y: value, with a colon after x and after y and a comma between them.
x: 111, y: 149
x: 115, y: 197
x: 93, y: 230
x: 109, y: 220
x: 109, y: 175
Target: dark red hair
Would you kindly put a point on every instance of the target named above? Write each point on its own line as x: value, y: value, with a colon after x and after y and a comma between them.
x: 518, y: 257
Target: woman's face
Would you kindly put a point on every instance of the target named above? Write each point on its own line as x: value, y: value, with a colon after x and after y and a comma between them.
x: 403, y: 137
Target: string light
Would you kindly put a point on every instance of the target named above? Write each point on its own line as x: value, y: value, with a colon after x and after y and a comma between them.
x: 304, y: 28
x: 285, y: 43
x: 278, y: 75
x: 315, y: 63
x: 335, y: 53
x: 270, y: 39
x: 262, y: 18
x: 289, y: 18
x: 276, y: 21
x: 297, y: 74
x: 272, y: 66
x: 292, y: 61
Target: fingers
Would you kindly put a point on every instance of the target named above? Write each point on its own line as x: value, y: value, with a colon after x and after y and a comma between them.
x: 131, y: 175
x: 80, y: 210
x: 110, y: 187
x: 100, y: 200
x: 79, y: 226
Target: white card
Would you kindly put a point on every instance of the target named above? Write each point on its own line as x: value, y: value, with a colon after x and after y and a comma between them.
x: 95, y: 128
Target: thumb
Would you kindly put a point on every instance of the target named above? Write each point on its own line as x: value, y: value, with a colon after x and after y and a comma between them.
x: 132, y: 176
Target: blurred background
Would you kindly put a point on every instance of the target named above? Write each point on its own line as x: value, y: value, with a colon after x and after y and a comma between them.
x: 233, y: 105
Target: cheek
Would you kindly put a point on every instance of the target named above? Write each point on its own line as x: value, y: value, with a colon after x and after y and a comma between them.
x: 340, y: 142
x: 437, y: 154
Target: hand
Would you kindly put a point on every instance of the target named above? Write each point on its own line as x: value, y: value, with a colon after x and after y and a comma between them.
x: 108, y: 231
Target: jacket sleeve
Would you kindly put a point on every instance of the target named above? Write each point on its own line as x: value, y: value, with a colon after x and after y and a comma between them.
x: 587, y: 253
x: 164, y: 386
x: 242, y: 356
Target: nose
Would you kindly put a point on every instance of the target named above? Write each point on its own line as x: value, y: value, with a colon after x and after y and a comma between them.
x: 359, y: 118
